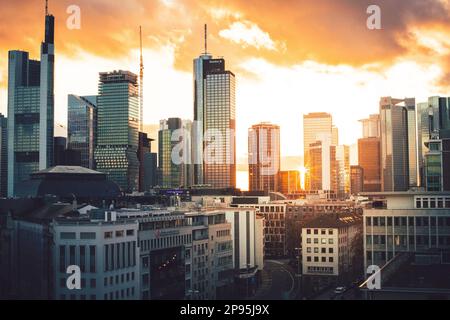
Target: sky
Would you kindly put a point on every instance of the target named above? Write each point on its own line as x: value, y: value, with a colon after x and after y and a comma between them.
x: 290, y: 57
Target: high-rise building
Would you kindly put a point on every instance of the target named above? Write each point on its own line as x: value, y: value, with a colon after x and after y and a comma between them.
x: 437, y: 165
x: 144, y: 148
x: 433, y: 122
x: 369, y: 160
x: 371, y: 126
x: 60, y: 146
x: 289, y: 182
x: 214, y: 120
x: 264, y: 157
x: 343, y: 170
x: 3, y: 156
x: 117, y: 123
x: 356, y: 179
x: 31, y: 110
x: 82, y: 127
x: 323, y: 170
x: 315, y: 125
x: 399, y: 165
x: 174, y: 153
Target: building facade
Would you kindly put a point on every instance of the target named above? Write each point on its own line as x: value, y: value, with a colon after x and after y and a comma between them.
x: 369, y: 157
x: 289, y: 182
x: 30, y: 110
x: 3, y: 156
x: 399, y: 164
x: 82, y: 127
x: 315, y: 125
x: 118, y: 123
x: 406, y: 222
x: 356, y: 179
x: 264, y: 157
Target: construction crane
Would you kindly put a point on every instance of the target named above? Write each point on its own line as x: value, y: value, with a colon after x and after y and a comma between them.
x: 141, y: 85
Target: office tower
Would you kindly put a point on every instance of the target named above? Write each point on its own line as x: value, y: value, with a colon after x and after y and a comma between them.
x: 343, y: 170
x: 323, y: 171
x: 371, y: 126
x: 334, y: 136
x: 30, y: 110
x: 437, y: 165
x: 82, y: 127
x: 369, y: 159
x: 356, y: 180
x: 60, y: 146
x: 117, y: 128
x: 3, y: 156
x: 151, y: 170
x: 433, y: 122
x: 314, y: 125
x: 174, y: 156
x: 264, y: 157
x: 214, y: 114
x: 289, y: 182
x: 399, y: 166
x: 144, y: 148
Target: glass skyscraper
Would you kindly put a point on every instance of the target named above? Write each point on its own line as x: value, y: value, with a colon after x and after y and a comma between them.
x: 399, y: 165
x: 82, y: 127
x: 315, y: 125
x: 3, y: 156
x: 214, y: 109
x: 174, y: 139
x: 264, y: 157
x: 30, y: 110
x: 118, y: 128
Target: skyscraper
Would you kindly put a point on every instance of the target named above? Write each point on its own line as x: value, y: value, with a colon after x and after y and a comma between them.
x: 144, y: 149
x: 118, y: 123
x: 343, y: 170
x: 3, y: 156
x: 315, y: 125
x: 369, y: 153
x: 323, y: 171
x: 289, y: 182
x: 357, y: 179
x: 264, y: 157
x: 371, y: 126
x: 369, y: 159
x: 31, y: 110
x: 174, y: 153
x: 214, y: 113
x: 399, y: 165
x: 433, y: 122
x: 82, y: 127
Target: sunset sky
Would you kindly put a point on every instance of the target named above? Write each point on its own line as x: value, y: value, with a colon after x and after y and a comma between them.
x: 290, y: 57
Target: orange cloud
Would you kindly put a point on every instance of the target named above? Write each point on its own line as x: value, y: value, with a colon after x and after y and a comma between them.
x: 327, y: 31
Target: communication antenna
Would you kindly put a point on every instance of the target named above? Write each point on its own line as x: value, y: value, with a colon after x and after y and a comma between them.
x: 206, y: 38
x: 46, y: 7
x: 141, y: 84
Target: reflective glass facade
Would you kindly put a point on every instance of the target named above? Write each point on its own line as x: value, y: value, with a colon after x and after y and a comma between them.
x: 82, y: 127
x: 220, y: 121
x: 30, y: 110
x: 264, y: 157
x: 3, y: 156
x: 117, y: 128
x: 399, y: 163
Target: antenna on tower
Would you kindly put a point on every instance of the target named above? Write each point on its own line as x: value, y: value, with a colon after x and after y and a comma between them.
x: 206, y: 38
x: 141, y: 84
x: 46, y: 7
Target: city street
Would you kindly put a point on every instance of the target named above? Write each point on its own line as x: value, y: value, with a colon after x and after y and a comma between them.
x: 278, y: 281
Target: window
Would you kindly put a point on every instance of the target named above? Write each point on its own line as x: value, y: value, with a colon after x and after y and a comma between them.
x: 316, y: 250
x: 330, y: 259
x: 130, y: 232
x: 68, y: 235
x: 119, y: 233
x: 308, y: 231
x: 87, y: 235
x: 93, y: 283
x: 324, y: 250
x: 108, y: 235
x: 330, y: 241
x: 92, y: 259
x: 308, y: 259
x: 308, y: 250
x: 323, y: 241
x: 330, y: 250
